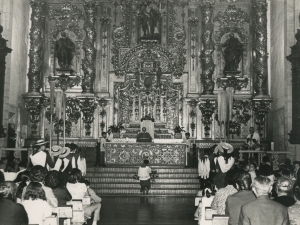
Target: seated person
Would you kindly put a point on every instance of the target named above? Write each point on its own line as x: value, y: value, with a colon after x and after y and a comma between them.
x: 9, y: 172
x: 11, y: 213
x: 22, y: 181
x: 35, y: 204
x: 253, y: 139
x: 92, y: 193
x: 283, y: 188
x: 54, y: 181
x: 236, y: 201
x: 144, y: 136
x: 38, y: 174
x: 78, y: 190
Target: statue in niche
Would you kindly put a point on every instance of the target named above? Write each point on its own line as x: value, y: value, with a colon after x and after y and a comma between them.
x: 149, y: 18
x: 233, y: 54
x: 64, y: 51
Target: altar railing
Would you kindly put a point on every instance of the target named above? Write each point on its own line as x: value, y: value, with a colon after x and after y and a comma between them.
x: 274, y: 156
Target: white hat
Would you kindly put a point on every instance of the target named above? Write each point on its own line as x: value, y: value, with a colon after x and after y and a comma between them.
x: 65, y: 152
x: 40, y: 142
x: 227, y: 147
x: 56, y: 150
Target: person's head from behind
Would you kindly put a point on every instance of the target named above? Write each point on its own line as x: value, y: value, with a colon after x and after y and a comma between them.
x: 104, y: 135
x: 35, y: 191
x: 146, y: 162
x: 187, y: 135
x: 75, y: 176
x: 252, y: 166
x: 230, y: 177
x: 288, y: 161
x: 261, y: 186
x: 286, y: 173
x: 296, y: 191
x: 144, y: 129
x: 265, y: 159
x: 10, y: 168
x: 53, y: 179
x: 38, y: 174
x: 283, y: 186
x: 243, y: 181
x: 8, y: 190
x: 209, y: 189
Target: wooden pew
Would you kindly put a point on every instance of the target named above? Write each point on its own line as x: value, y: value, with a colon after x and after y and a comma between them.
x: 209, y: 212
x: 220, y: 220
x: 51, y: 220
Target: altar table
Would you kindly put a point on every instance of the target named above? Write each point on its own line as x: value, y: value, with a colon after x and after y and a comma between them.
x: 158, y: 154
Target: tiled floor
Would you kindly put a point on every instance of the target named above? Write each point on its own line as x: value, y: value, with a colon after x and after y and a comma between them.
x: 147, y: 210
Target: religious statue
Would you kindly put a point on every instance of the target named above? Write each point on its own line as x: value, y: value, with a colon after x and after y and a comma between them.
x: 149, y: 18
x: 233, y: 54
x: 64, y: 51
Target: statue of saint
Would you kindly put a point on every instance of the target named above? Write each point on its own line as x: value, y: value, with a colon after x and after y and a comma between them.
x: 64, y: 51
x: 233, y: 53
x: 149, y: 18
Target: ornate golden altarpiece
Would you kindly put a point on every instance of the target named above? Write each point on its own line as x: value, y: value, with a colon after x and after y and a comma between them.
x: 161, y: 58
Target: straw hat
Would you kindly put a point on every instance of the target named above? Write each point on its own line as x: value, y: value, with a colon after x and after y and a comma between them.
x: 56, y: 150
x: 223, y: 146
x: 65, y: 152
x: 40, y: 142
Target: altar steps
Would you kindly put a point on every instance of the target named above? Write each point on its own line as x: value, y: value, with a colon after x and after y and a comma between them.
x: 118, y: 181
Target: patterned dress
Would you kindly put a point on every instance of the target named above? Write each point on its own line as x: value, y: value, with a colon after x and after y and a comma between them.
x: 220, y: 199
x: 294, y: 214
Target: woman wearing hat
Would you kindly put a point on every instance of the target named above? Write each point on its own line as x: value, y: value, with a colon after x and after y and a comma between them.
x: 40, y: 156
x: 222, y: 163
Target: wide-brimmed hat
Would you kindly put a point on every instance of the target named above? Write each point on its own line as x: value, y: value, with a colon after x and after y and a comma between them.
x: 40, y: 142
x: 65, y: 152
x: 223, y: 146
x: 56, y: 150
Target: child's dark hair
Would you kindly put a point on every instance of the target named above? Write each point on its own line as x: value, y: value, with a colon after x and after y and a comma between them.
x: 87, y: 183
x: 35, y: 191
x: 146, y: 161
x: 209, y: 189
x: 10, y: 168
x: 23, y: 179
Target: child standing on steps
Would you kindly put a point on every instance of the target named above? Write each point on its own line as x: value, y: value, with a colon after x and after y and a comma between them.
x: 144, y: 176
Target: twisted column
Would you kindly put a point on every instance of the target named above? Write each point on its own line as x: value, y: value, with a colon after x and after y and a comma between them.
x: 260, y: 49
x: 88, y: 66
x: 206, y: 56
x: 36, y: 46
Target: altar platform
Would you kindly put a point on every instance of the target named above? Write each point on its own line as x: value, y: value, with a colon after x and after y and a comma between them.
x: 159, y: 154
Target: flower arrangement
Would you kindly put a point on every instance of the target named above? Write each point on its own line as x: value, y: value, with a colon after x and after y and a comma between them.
x: 178, y: 129
x: 115, y: 128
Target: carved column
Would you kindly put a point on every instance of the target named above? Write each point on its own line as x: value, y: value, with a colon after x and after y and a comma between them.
x: 103, y: 103
x: 294, y: 58
x: 207, y: 63
x: 260, y: 49
x: 88, y: 106
x: 193, y: 114
x: 260, y: 108
x: 4, y: 50
x: 207, y: 108
x: 36, y: 46
x: 88, y: 66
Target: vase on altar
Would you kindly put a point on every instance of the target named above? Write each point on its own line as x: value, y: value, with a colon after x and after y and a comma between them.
x: 177, y: 135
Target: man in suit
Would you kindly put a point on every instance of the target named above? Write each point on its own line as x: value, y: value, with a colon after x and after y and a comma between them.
x: 144, y: 136
x: 263, y: 210
x: 236, y: 201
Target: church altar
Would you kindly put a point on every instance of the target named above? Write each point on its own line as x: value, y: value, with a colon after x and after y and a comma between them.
x: 158, y: 154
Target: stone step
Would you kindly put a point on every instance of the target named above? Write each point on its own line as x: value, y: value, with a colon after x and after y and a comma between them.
x: 157, y: 180
x: 133, y: 191
x: 129, y: 175
x: 153, y: 185
x: 134, y: 170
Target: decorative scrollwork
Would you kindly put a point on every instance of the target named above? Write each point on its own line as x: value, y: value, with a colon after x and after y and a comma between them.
x: 65, y: 81
x: 235, y: 82
x: 240, y: 115
x: 260, y: 49
x: 260, y: 108
x: 193, y: 114
x: 206, y: 56
x: 88, y: 66
x: 87, y: 106
x: 102, y: 103
x: 207, y: 108
x: 232, y: 20
x: 67, y: 17
x: 73, y: 110
x: 34, y: 105
x: 36, y: 46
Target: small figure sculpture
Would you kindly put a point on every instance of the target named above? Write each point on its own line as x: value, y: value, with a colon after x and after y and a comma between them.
x: 149, y: 18
x: 233, y: 54
x: 64, y: 51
